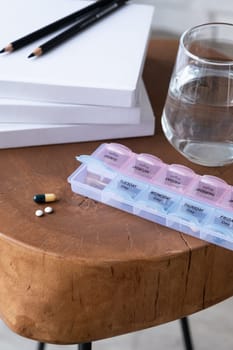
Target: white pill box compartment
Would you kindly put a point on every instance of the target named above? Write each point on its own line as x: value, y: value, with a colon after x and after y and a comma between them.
x: 171, y: 195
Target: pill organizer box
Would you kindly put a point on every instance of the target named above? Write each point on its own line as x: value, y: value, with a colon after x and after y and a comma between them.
x: 169, y: 194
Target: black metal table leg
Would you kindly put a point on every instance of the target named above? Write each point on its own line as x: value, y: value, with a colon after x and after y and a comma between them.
x: 84, y: 346
x: 41, y: 346
x: 186, y: 333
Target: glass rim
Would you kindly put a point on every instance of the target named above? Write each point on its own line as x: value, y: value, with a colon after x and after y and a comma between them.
x: 202, y: 59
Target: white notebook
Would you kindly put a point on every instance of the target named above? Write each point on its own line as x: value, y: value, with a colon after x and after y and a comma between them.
x: 99, y: 66
x: 20, y: 135
x: 23, y: 111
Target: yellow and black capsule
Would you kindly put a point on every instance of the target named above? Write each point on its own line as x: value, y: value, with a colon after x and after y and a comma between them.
x: 44, y: 198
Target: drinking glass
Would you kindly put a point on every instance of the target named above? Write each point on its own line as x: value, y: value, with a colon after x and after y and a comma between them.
x: 198, y: 112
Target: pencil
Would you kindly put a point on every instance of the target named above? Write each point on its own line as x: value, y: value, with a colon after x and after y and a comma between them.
x: 77, y: 27
x: 52, y: 27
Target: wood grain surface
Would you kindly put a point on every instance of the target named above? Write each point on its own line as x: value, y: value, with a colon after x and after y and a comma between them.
x: 89, y: 271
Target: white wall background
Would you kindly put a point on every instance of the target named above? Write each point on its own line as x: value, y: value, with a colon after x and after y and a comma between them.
x: 172, y: 17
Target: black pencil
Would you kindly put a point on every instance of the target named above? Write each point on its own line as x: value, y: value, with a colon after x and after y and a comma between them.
x: 78, y: 27
x: 52, y: 27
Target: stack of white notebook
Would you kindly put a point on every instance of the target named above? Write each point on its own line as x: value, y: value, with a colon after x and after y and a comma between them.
x: 88, y: 88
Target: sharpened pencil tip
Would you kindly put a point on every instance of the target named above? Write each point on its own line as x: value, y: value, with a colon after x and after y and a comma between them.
x: 31, y: 55
x: 37, y: 52
x: 9, y: 48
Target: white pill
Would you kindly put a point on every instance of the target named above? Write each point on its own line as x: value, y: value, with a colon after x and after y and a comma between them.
x: 39, y: 212
x: 48, y: 210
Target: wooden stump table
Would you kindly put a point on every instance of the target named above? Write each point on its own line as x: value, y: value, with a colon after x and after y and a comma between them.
x: 89, y: 271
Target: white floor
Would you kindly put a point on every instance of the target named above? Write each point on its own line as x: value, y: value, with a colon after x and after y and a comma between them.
x: 211, y: 330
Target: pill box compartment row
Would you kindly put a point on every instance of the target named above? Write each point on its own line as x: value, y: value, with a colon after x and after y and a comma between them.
x: 171, y: 195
